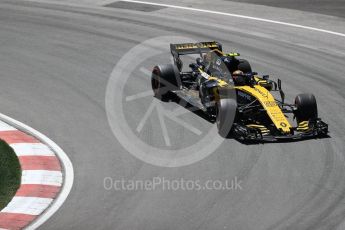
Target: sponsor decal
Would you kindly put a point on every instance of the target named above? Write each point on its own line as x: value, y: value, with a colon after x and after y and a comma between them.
x: 259, y: 91
x: 270, y: 103
x: 204, y: 75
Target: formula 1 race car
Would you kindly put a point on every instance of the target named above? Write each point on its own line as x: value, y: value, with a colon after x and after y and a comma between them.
x: 239, y: 100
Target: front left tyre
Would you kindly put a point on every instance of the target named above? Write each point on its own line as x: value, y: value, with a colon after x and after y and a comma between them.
x: 225, y: 115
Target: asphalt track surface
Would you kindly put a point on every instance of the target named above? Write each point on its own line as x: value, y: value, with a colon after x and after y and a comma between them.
x: 55, y: 63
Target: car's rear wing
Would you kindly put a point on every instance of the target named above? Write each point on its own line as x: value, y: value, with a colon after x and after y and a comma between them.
x: 194, y: 48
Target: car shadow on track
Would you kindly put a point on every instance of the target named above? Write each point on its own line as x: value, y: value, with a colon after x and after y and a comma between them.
x: 249, y: 142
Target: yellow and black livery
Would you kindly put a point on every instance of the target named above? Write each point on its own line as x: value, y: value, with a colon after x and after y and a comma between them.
x: 244, y: 105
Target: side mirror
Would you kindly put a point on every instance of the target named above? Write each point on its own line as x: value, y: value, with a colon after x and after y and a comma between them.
x: 282, y: 94
x: 279, y: 84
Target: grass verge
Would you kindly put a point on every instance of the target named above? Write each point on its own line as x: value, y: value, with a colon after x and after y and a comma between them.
x: 10, y: 173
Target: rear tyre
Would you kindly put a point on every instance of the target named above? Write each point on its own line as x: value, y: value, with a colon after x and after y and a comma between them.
x: 244, y: 66
x: 225, y: 115
x: 164, y: 79
x: 306, y: 107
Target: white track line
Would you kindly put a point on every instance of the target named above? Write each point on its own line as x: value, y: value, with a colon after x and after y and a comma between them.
x: 238, y: 16
x: 66, y: 164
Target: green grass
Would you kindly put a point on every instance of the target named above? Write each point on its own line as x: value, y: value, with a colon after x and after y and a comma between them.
x: 10, y: 173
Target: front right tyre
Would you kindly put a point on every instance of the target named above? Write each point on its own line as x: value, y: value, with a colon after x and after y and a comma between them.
x: 306, y: 107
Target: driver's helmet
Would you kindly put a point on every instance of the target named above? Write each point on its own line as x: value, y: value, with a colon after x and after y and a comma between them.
x: 238, y: 77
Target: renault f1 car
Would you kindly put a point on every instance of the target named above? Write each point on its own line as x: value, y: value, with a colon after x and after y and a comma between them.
x: 239, y: 100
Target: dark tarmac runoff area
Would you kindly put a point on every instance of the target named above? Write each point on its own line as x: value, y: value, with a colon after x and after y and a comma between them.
x: 329, y: 7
